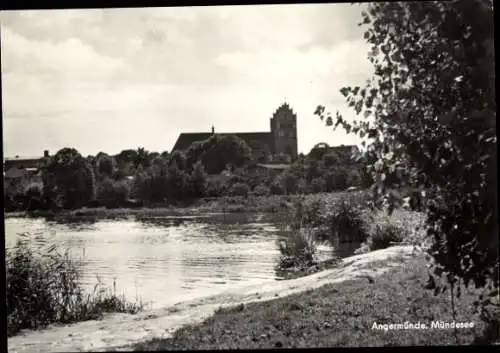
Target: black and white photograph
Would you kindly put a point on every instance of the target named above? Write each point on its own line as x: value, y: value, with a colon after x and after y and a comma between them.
x: 252, y: 176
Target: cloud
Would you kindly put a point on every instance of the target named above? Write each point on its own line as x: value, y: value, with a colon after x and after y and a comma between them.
x: 340, y: 62
x: 109, y: 79
x: 68, y: 58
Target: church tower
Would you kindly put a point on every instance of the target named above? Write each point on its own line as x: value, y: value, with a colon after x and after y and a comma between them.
x: 284, y: 131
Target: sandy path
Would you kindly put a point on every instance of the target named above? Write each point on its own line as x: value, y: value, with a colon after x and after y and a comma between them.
x: 119, y: 330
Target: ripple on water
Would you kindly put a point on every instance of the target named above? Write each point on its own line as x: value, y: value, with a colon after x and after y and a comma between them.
x: 163, y: 259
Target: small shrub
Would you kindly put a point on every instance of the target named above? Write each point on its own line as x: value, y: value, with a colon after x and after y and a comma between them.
x: 386, y: 235
x: 318, y: 185
x: 261, y: 190
x: 215, y: 188
x: 277, y: 188
x: 239, y: 189
x: 298, y: 249
x: 348, y: 220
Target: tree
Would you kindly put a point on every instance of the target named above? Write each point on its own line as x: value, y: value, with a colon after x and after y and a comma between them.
x: 69, y: 177
x: 199, y: 180
x: 105, y: 165
x: 142, y: 158
x: 330, y: 159
x: 177, y: 182
x: 318, y: 185
x: 179, y: 159
x: 223, y: 151
x: 195, y: 152
x: 126, y: 156
x: 290, y: 183
x: 141, y: 187
x: 431, y: 109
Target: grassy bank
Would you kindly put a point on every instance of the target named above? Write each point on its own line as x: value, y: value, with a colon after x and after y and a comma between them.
x: 337, y: 315
x: 43, y: 287
x: 233, y: 204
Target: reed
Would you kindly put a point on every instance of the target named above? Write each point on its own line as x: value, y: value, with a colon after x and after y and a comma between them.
x: 44, y: 287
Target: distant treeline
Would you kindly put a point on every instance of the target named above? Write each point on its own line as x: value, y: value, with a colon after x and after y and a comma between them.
x: 219, y: 166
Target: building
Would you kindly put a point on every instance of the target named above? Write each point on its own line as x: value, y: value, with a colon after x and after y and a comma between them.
x: 25, y: 162
x: 349, y: 151
x: 21, y: 173
x: 281, y: 139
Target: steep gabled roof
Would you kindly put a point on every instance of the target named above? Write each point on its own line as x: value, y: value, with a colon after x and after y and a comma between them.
x: 186, y: 139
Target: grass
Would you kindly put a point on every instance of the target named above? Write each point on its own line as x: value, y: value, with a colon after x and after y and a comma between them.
x: 336, y: 315
x: 43, y: 287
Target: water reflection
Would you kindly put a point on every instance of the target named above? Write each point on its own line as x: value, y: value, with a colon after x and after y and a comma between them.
x: 165, y: 260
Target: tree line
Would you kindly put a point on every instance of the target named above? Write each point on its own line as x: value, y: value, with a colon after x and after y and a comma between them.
x: 137, y: 177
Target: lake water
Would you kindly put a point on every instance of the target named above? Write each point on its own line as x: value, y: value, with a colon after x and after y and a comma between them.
x: 165, y: 260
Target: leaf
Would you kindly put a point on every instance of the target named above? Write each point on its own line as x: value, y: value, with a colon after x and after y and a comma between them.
x: 319, y: 110
x: 358, y: 107
x: 345, y: 91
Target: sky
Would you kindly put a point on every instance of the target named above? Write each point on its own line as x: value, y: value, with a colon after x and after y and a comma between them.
x: 113, y: 79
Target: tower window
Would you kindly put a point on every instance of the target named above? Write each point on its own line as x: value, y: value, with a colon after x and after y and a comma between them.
x: 281, y: 134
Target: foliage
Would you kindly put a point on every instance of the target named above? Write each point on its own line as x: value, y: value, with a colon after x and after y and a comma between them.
x: 43, y: 287
x: 318, y: 185
x: 105, y: 165
x: 290, y: 183
x: 277, y: 187
x: 297, y: 249
x: 239, y: 189
x: 345, y: 219
x: 220, y: 151
x: 179, y: 159
x: 261, y: 190
x: 199, y: 180
x: 69, y: 177
x: 431, y: 110
x: 142, y: 157
x: 215, y: 187
x: 113, y: 193
x: 178, y: 182
x: 385, y: 235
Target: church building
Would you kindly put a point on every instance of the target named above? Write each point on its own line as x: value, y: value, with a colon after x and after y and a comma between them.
x: 281, y: 139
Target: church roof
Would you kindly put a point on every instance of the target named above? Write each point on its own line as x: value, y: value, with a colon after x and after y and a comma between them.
x: 186, y: 139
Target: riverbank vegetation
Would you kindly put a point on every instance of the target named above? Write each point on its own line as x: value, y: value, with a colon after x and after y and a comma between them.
x: 336, y: 315
x: 346, y: 220
x: 139, y: 178
x: 43, y: 287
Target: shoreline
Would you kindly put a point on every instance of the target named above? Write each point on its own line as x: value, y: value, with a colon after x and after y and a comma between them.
x: 232, y: 204
x: 161, y: 323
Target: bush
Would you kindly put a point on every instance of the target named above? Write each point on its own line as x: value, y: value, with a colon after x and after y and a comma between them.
x: 261, y: 190
x: 386, y: 235
x: 347, y: 220
x: 215, y: 188
x: 298, y: 249
x: 239, y: 189
x: 43, y: 287
x: 277, y: 188
x: 318, y: 185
